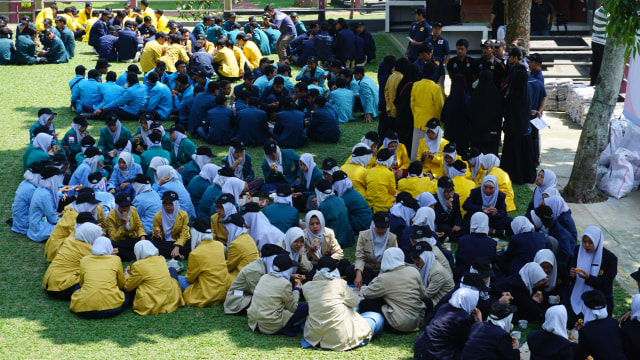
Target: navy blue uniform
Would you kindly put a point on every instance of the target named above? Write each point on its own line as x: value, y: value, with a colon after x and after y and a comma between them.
x: 252, y: 90
x: 527, y: 308
x: 630, y: 332
x: 444, y: 220
x: 547, y: 346
x: 419, y: 32
x: 464, y: 67
x: 601, y: 339
x: 107, y: 47
x: 304, y: 50
x: 98, y: 29
x: 323, y: 44
x: 473, y: 204
x: 470, y: 247
x: 202, y: 103
x: 127, y: 44
x: 445, y: 336
x: 345, y: 46
x: 439, y: 74
x: 440, y: 47
x: 604, y: 280
x: 489, y: 342
x: 289, y: 129
x: 323, y: 125
x: 522, y: 249
x: 252, y: 127
x: 218, y: 125
x: 369, y: 45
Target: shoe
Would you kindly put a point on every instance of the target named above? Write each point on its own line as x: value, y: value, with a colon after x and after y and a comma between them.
x: 10, y: 221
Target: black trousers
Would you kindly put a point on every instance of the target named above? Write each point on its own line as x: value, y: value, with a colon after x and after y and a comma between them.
x: 166, y: 247
x: 597, y: 51
x: 125, y: 248
x: 367, y: 275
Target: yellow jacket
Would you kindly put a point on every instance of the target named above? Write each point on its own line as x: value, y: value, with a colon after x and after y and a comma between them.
x: 390, y: 90
x: 240, y: 58
x: 371, y: 163
x: 242, y: 251
x: 208, y: 275
x: 218, y: 230
x: 152, y: 14
x: 426, y: 102
x: 180, y: 232
x: 174, y: 53
x: 157, y: 292
x: 101, y: 279
x: 402, y: 157
x: 116, y: 232
x: 416, y: 186
x: 71, y: 22
x: 65, y: 228
x: 504, y: 185
x: 252, y: 53
x: 463, y: 187
x: 434, y: 165
x: 83, y: 17
x: 228, y: 64
x: 381, y: 188
x: 162, y: 23
x: 64, y: 270
x: 151, y: 55
x: 210, y: 47
x: 46, y: 13
x: 89, y: 24
x: 358, y: 176
x: 479, y: 175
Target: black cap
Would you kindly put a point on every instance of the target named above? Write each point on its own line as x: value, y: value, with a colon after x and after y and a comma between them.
x: 236, y: 143
x: 499, y: 43
x: 232, y: 14
x: 384, y: 154
x: 237, y: 220
x: 91, y: 152
x: 271, y: 249
x: 339, y: 175
x: 205, y: 150
x: 102, y: 63
x: 515, y: 51
x: 450, y: 147
x: 94, y: 178
x: 80, y: 120
x: 636, y: 275
x: 123, y: 199
x: 415, y: 167
x: 170, y: 195
x: 459, y: 165
x: 86, y: 217
x: 252, y: 207
x: 266, y: 60
x: 225, y: 198
x: 419, y: 248
x: 37, y: 167
x: 381, y: 219
x: 433, y: 123
x: 420, y: 10
x: 327, y: 262
x: 323, y: 185
x: 177, y: 127
x: 372, y: 136
x: 488, y: 43
x: 283, y: 262
x: 483, y: 266
x: 200, y: 224
x: 437, y: 23
x: 141, y: 179
x: 445, y: 182
x: 420, y: 232
x: 270, y: 147
x: 500, y: 310
x: 391, y: 135
x: 312, y: 59
x: 133, y: 68
x: 42, y: 129
x: 473, y: 152
x: 361, y: 151
x: 535, y: 57
x: 545, y: 214
x: 47, y: 111
x: 329, y: 163
x: 475, y: 280
x: 87, y: 196
x: 407, y: 200
x: 283, y: 190
x: 50, y: 171
x: 111, y: 119
x: 88, y: 5
x: 155, y: 137
x: 59, y: 159
x: 147, y: 115
x: 226, y: 171
x: 594, y: 299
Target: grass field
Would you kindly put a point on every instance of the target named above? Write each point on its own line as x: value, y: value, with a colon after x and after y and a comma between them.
x: 35, y: 326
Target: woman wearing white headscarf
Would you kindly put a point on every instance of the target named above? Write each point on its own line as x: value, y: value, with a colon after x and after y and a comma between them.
x: 171, y: 228
x: 293, y: 243
x: 183, y: 147
x: 242, y: 248
x: 359, y: 211
x: 400, y: 156
x: 593, y: 267
x: 491, y: 164
x: 45, y: 118
x: 546, y: 179
x: 599, y: 336
x: 429, y: 150
x: 20, y: 206
x: 489, y: 199
x: 63, y: 273
x: 91, y: 163
x: 561, y: 213
x: 235, y: 187
x: 371, y: 245
x: 199, y: 185
x: 426, y: 200
x: 319, y: 240
x: 111, y: 133
x: 397, y: 293
x: 436, y: 279
x: 126, y: 169
x: 43, y: 215
x: 473, y: 163
x: 101, y: 282
x: 71, y: 143
x: 424, y: 218
x: 156, y: 291
x: 38, y: 150
x: 154, y: 164
x: 207, y: 278
x: 445, y: 336
x: 356, y: 167
x: 552, y: 342
x: 124, y: 227
x: 259, y: 226
x: 548, y: 262
x: 526, y: 288
x: 240, y: 163
x: 523, y: 246
x: 476, y: 244
x: 630, y: 330
x: 493, y: 338
x: 169, y: 180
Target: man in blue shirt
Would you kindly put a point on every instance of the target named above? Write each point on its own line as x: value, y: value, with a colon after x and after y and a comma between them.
x: 259, y: 71
x: 146, y: 27
x: 86, y: 94
x: 99, y: 29
x: 247, y: 85
x: 218, y: 127
x: 201, y: 105
x: 440, y: 45
x: 280, y: 21
x: 227, y: 25
x: 368, y: 93
x: 324, y: 44
x: 187, y: 103
x: 251, y: 124
x: 122, y: 79
x: 425, y: 55
x: 369, y: 43
x: 233, y: 33
x: 66, y: 35
x: 201, y: 27
x: 323, y: 125
x: 304, y: 49
x: 110, y: 90
x: 420, y: 31
x: 538, y: 103
x: 129, y: 103
x: 26, y: 49
x: 127, y: 43
x: 260, y: 38
x: 345, y: 44
x: 160, y: 99
x: 107, y: 45
x: 263, y: 81
x: 289, y: 129
x: 535, y: 66
x: 181, y: 92
x: 272, y: 97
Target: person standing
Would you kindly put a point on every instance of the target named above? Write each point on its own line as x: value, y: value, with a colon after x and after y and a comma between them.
x: 419, y: 33
x: 461, y: 64
x: 541, y: 18
x: 598, y: 41
x: 497, y: 18
x: 280, y: 21
x: 426, y: 104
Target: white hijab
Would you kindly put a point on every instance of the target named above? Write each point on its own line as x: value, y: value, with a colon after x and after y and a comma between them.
x: 635, y: 307
x: 442, y: 200
x: 489, y: 161
x: 165, y: 170
x: 115, y: 135
x: 168, y: 220
x: 379, y: 242
x: 88, y: 232
x: 128, y: 159
x: 155, y: 163
x: 428, y: 257
x: 483, y: 294
x: 261, y: 230
x: 449, y: 166
x: 220, y: 180
x: 403, y: 212
x: 361, y: 160
x: 591, y: 264
x: 479, y: 223
x: 307, y: 159
x: 433, y: 145
x: 292, y: 235
x: 425, y: 216
x: 92, y: 162
x: 315, y: 237
x: 549, y: 182
x: 268, y: 263
x: 504, y: 323
x: 277, y: 162
x: 200, y: 160
x: 475, y: 163
x: 385, y: 144
x: 31, y: 177
x: 546, y: 255
x: 283, y: 199
x: 521, y: 225
x: 530, y: 274
x: 555, y: 320
x: 426, y: 199
x: 127, y: 226
x: 235, y: 187
x: 285, y: 274
x: 176, y: 144
x: 321, y: 196
x: 465, y: 299
x: 197, y: 237
x: 51, y: 184
x: 557, y: 204
x: 341, y: 186
x: 335, y: 274
x: 144, y: 248
x: 144, y: 134
x: 100, y: 186
x: 44, y: 118
x: 102, y: 246
x: 230, y: 159
x: 85, y: 207
x: 551, y: 192
x: 392, y: 258
x: 76, y: 130
x: 386, y: 163
x: 140, y: 188
x: 42, y: 141
x: 233, y: 231
x: 489, y: 201
x: 126, y: 148
x: 209, y: 172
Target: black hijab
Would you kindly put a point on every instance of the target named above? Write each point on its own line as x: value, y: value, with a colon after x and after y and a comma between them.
x: 484, y: 108
x: 517, y: 110
x: 411, y: 75
x: 454, y: 117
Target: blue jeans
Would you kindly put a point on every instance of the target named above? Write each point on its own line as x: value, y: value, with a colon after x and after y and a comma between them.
x: 183, y: 283
x: 294, y: 325
x: 376, y: 322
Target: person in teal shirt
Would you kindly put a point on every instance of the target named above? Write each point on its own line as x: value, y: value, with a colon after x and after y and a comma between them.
x: 360, y: 213
x: 56, y: 53
x: 215, y: 31
x: 228, y: 25
x: 160, y: 98
x: 300, y: 28
x: 7, y: 47
x: 127, y: 106
x: 273, y: 35
x: 281, y: 213
x: 155, y: 140
x: 66, y: 35
x: 198, y: 186
x: 261, y: 39
x: 279, y: 167
x: 265, y: 80
x: 202, y: 157
x: 26, y: 49
x: 156, y: 126
x: 368, y: 93
x: 335, y: 213
x: 111, y: 133
x: 201, y: 27
x: 233, y: 33
x: 45, y: 118
x: 342, y: 100
x: 183, y: 148
x: 311, y: 70
x: 72, y: 139
x: 39, y: 150
x: 109, y: 90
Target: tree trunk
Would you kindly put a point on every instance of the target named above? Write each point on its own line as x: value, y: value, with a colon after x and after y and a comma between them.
x: 595, y: 133
x: 518, y: 20
x: 353, y: 4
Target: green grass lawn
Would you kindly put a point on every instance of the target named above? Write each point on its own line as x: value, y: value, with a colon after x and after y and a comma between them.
x: 35, y: 326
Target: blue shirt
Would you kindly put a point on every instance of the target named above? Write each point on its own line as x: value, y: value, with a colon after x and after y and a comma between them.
x: 440, y: 47
x: 42, y: 214
x: 147, y: 204
x: 107, y: 47
x: 110, y: 92
x: 127, y: 44
x: 323, y: 126
x: 342, y: 100
x: 86, y: 91
x: 160, y: 100
x: 345, y: 45
x: 282, y: 22
x: 98, y: 29
x: 369, y: 96
x: 419, y: 32
x: 261, y: 83
x: 20, y: 207
x: 252, y: 127
x: 132, y: 99
x: 220, y: 124
x: 66, y: 35
x: 289, y: 129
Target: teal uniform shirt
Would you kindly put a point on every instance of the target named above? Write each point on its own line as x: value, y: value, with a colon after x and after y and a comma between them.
x: 360, y: 213
x: 282, y: 216
x: 106, y: 143
x: 25, y: 50
x: 290, y: 169
x: 337, y: 218
x: 185, y: 150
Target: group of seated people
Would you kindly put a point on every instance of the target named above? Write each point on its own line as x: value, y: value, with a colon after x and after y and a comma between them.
x: 153, y: 196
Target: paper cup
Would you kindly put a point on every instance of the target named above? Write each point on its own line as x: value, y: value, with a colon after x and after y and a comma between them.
x: 516, y: 334
x: 523, y: 324
x: 553, y: 299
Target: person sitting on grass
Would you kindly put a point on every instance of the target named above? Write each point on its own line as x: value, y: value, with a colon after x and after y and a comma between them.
x: 323, y: 125
x: 183, y: 147
x: 360, y: 213
x: 156, y: 290
x: 489, y: 199
x: 281, y: 213
x: 124, y: 227
x: 524, y: 287
x: 279, y: 167
x: 260, y: 229
x: 146, y: 201
x: 492, y: 338
x: 202, y: 156
x: 289, y: 129
x: 553, y: 340
x: 239, y: 161
x: 169, y: 180
x: 126, y: 169
x: 381, y: 183
x: 242, y: 248
x: 43, y: 215
x: 19, y: 220
x: 171, y: 228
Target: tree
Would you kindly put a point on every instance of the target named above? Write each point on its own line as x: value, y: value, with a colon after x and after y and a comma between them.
x: 622, y: 27
x: 518, y: 20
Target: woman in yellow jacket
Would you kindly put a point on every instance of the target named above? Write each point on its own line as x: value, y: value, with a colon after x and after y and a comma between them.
x: 426, y: 105
x: 356, y: 167
x: 431, y: 148
x: 250, y: 50
x: 242, y: 248
x: 401, y: 158
x: 381, y: 183
x: 101, y: 281
x: 124, y: 227
x: 416, y: 183
x: 85, y: 202
x: 171, y: 228
x: 156, y: 291
x: 207, y: 278
x: 225, y: 207
x: 62, y: 276
x: 491, y: 164
x: 476, y: 173
x: 371, y: 140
